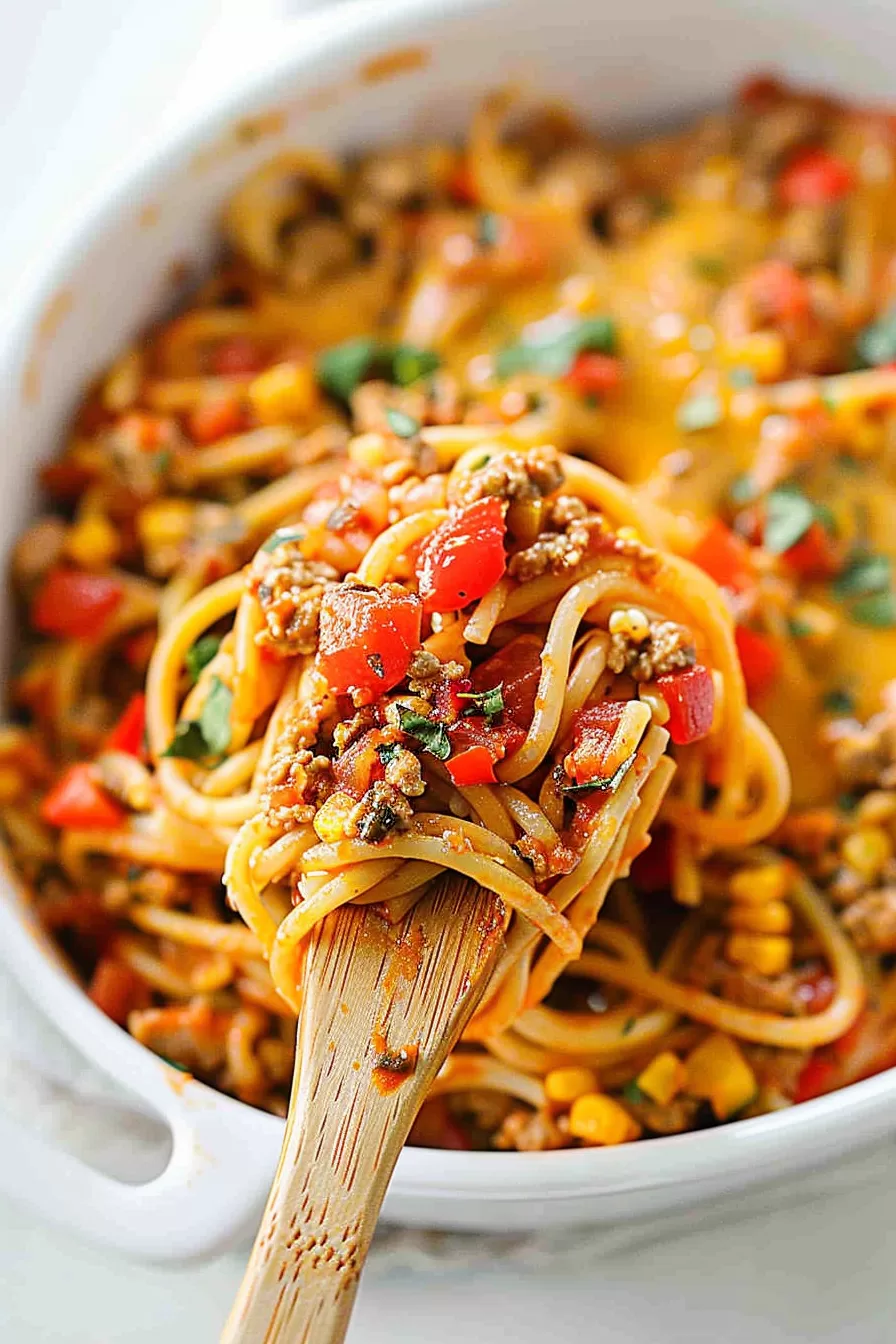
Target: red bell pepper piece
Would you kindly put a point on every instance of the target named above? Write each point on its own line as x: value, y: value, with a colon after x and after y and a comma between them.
x: 691, y: 698
x: 815, y: 177
x: 594, y: 374
x: 367, y: 637
x: 817, y: 1076
x: 78, y: 800
x: 129, y: 732
x: 759, y: 659
x: 816, y: 554
x: 476, y: 765
x: 74, y: 604
x: 238, y: 355
x: 464, y: 557
x: 213, y: 420
x: 725, y: 557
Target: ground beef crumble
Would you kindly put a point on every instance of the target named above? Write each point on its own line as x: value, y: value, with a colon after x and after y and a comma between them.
x: 382, y: 810
x: 513, y: 476
x: 667, y: 648
x: 289, y: 590
x: 426, y: 671
x: 530, y: 1132
x: 871, y: 921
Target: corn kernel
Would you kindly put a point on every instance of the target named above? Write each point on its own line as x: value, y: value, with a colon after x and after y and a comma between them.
x: 564, y: 1086
x: 166, y: 522
x: 766, y: 953
x: 329, y: 821
x: 596, y: 1119
x: 760, y: 883
x: 867, y: 850
x: 92, y: 541
x: 630, y: 621
x: 877, y: 806
x: 12, y: 784
x: 285, y: 392
x: 762, y: 352
x: 663, y: 1079
x: 772, y: 917
x: 718, y: 1072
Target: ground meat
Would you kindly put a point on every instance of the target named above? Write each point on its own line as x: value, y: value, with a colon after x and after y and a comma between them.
x: 426, y: 671
x: 403, y: 772
x: 809, y: 236
x: 558, y: 552
x: 530, y: 1132
x: 513, y: 476
x: 667, y: 648
x: 382, y: 810
x: 284, y: 799
x: 871, y: 921
x: 767, y: 993
x: 777, y: 1070
x: 673, y: 1118
x: 349, y: 730
x: 865, y: 755
x: 192, y: 1035
x: 290, y: 590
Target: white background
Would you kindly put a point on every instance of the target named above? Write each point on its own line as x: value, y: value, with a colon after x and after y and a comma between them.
x: 80, y: 84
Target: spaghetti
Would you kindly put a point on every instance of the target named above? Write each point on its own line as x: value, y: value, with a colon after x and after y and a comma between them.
x: 499, y: 509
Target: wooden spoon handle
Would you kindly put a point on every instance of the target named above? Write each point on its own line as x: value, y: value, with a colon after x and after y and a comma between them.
x: 417, y: 983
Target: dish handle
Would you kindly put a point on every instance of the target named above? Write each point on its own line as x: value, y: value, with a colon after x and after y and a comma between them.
x: 211, y: 1191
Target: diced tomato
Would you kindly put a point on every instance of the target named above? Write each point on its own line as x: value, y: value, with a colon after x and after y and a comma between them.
x: 816, y: 555
x: 652, y: 869
x: 461, y: 185
x: 212, y: 420
x: 759, y: 659
x: 356, y: 768
x: 117, y: 990
x: 128, y: 733
x: 845, y: 1045
x: 73, y: 604
x: 464, y: 557
x: 759, y: 91
x: 815, y: 177
x: 691, y: 698
x: 499, y: 739
x: 78, y: 800
x: 518, y: 668
x: 818, y: 1076
x: 476, y: 765
x: 779, y: 292
x: 722, y: 555
x: 594, y: 374
x: 367, y: 637
x: 138, y: 649
x: 446, y: 700
x: 143, y: 429
x: 593, y: 730
x: 65, y: 480
x: 240, y: 354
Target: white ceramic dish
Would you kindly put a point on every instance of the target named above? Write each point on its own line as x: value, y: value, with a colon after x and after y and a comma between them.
x: 375, y: 72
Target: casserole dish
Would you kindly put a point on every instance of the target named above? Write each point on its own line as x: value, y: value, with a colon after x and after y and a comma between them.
x: 370, y: 73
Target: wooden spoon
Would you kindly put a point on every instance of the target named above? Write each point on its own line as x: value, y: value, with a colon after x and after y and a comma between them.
x: 383, y: 1006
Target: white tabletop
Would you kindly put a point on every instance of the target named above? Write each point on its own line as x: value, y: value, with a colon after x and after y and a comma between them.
x: 78, y: 83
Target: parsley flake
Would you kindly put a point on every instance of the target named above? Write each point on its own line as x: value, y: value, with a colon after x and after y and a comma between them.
x: 877, y: 343
x: 282, y: 536
x: 341, y: 368
x: 633, y: 1093
x: 602, y: 785
x: 209, y: 735
x: 878, y: 610
x: 788, y: 517
x: 865, y: 573
x: 488, y: 230
x: 702, y: 412
x: 402, y: 424
x: 838, y: 701
x: 554, y: 354
x: 200, y: 655
x: 432, y: 735
x: 490, y: 703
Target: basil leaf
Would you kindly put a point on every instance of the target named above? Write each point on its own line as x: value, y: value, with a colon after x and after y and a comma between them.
x: 788, y: 516
x: 433, y: 736
x: 201, y: 654
x: 282, y: 536
x: 878, y: 610
x: 490, y: 703
x: 554, y: 354
x: 602, y: 785
x: 877, y: 343
x: 408, y: 363
x: 188, y: 743
x: 209, y: 735
x: 865, y: 573
x: 341, y: 368
x: 488, y: 230
x: 838, y: 701
x: 703, y: 412
x: 402, y: 424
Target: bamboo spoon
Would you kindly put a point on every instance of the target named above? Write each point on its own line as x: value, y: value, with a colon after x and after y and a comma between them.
x: 382, y: 1008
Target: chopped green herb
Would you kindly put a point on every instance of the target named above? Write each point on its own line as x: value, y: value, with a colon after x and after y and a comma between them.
x: 602, y: 785
x: 481, y: 462
x: 838, y: 701
x: 402, y: 424
x: 799, y: 628
x: 201, y: 654
x: 161, y: 461
x: 408, y: 363
x: 709, y: 268
x: 828, y: 396
x: 743, y: 489
x: 879, y: 610
x: 181, y: 1068
x: 376, y: 825
x: 488, y: 230
x: 433, y: 736
x: 282, y: 536
x: 209, y: 735
x: 788, y: 516
x: 629, y: 1025
x: 848, y: 802
x: 490, y: 703
x: 701, y: 412
x: 341, y: 368
x: 865, y: 573
x: 387, y: 751
x: 741, y: 376
x: 877, y: 343
x: 554, y: 354
x: 633, y: 1093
